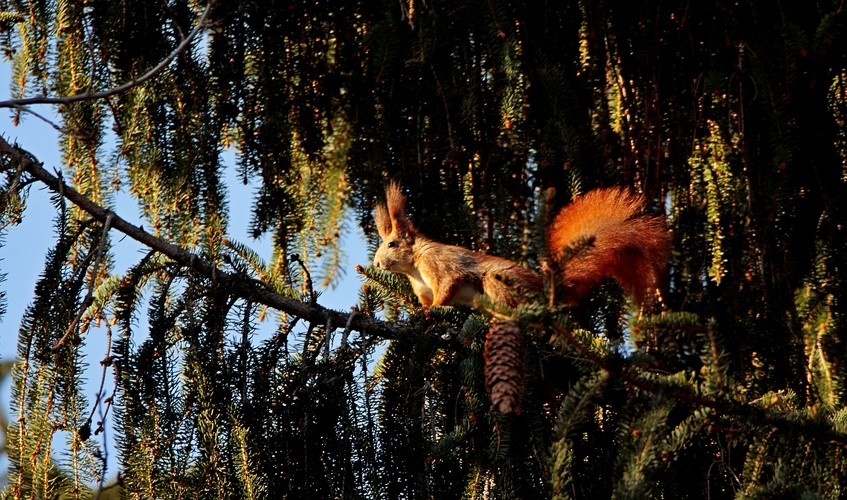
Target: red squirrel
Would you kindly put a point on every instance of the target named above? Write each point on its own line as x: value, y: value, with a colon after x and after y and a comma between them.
x: 601, y: 233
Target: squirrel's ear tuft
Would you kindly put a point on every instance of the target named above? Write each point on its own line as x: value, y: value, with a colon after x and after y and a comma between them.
x: 397, y: 209
x: 396, y: 201
x: 383, y: 221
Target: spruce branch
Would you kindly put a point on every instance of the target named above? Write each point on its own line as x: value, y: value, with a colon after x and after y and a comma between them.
x: 88, y: 95
x: 628, y: 375
x: 245, y: 288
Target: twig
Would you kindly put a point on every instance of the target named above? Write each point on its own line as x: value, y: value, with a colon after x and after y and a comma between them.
x: 88, y: 95
x: 84, y: 138
x: 328, y: 331
x: 89, y: 297
x: 245, y: 349
x: 107, y: 362
x: 19, y: 171
x: 64, y: 215
x: 306, y: 339
x: 346, y: 335
x: 313, y: 297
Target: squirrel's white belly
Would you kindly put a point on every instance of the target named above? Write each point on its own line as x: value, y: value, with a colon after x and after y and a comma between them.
x: 421, y: 287
x: 464, y: 294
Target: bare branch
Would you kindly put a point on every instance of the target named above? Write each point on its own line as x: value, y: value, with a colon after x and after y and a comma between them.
x: 88, y: 95
x: 248, y: 289
x: 309, y: 287
x: 52, y: 124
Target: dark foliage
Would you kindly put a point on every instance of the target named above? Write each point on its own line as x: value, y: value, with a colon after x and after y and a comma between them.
x: 729, y: 117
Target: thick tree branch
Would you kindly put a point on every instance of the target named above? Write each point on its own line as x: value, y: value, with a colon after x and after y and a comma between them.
x: 238, y: 285
x: 88, y: 95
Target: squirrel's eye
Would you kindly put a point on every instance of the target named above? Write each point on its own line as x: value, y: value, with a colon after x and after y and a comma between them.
x: 392, y: 244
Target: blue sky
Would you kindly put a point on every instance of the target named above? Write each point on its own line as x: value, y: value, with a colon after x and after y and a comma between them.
x: 25, y: 246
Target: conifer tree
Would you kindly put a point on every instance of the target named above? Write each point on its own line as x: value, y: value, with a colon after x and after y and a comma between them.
x: 729, y: 117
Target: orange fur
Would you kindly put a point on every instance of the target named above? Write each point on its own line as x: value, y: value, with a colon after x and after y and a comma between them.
x: 624, y: 243
x: 631, y: 247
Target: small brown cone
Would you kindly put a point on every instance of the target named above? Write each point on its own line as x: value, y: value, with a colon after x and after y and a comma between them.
x: 504, y: 366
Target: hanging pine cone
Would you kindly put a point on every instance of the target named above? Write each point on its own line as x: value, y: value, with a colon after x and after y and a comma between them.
x: 504, y: 366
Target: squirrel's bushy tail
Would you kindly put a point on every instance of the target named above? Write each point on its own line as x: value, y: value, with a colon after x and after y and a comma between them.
x: 604, y: 233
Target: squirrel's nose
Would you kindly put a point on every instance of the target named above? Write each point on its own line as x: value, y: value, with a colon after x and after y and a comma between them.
x: 376, y: 263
